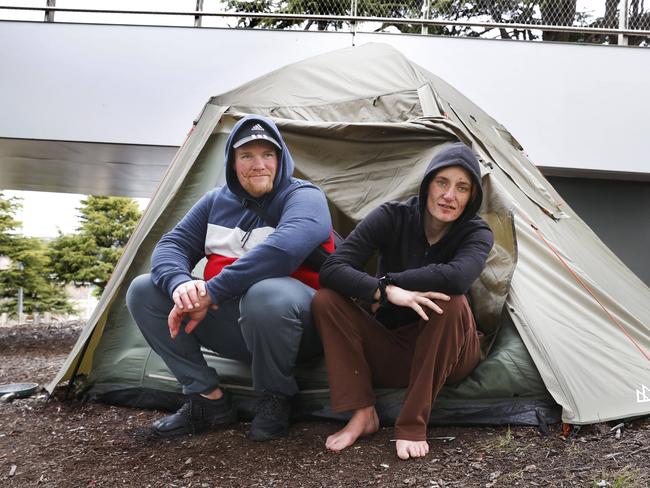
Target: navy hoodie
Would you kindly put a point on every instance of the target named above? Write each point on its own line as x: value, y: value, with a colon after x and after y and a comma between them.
x: 396, y: 231
x: 240, y: 247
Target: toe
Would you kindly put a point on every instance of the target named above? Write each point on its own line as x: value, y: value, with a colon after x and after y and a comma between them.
x: 337, y: 442
x: 402, y: 453
x: 329, y: 443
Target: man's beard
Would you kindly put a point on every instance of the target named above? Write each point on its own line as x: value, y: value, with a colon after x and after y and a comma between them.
x: 258, y: 188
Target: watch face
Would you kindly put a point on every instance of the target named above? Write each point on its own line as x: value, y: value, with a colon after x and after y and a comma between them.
x: 383, y: 283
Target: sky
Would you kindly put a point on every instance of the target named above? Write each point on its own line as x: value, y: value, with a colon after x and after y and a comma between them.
x: 44, y: 214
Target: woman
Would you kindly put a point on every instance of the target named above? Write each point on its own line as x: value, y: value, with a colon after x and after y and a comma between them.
x: 413, y: 327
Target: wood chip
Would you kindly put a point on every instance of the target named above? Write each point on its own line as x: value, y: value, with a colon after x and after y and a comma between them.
x: 613, y: 454
x: 640, y: 449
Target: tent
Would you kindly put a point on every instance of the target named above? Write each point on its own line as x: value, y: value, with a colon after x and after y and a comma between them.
x: 567, y: 325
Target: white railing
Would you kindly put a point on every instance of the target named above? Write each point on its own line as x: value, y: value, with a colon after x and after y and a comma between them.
x: 629, y: 23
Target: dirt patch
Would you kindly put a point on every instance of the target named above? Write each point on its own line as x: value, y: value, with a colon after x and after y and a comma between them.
x: 49, y: 443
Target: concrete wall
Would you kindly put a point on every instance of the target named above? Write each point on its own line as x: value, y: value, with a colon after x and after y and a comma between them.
x: 569, y: 105
x: 618, y: 211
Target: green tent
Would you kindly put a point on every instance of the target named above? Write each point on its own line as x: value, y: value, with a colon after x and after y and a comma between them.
x: 567, y: 325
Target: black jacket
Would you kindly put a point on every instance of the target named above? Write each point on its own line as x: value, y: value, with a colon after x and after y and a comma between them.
x: 396, y: 231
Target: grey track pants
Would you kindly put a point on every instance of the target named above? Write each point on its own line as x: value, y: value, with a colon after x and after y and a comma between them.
x: 269, y: 327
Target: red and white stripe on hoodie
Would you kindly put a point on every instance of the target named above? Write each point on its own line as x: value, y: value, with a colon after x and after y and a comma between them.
x: 223, y: 246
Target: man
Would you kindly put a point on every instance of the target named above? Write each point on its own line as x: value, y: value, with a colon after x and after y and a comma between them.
x: 253, y: 303
x: 431, y: 247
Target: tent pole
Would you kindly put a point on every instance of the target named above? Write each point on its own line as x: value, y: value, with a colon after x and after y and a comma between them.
x: 82, y: 353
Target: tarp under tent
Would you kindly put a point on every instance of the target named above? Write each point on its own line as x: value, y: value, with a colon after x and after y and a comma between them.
x: 567, y: 325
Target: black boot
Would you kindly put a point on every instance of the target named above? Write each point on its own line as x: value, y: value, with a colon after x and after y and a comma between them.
x: 271, y: 417
x: 198, y: 414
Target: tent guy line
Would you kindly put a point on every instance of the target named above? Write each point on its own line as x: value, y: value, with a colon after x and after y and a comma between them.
x: 585, y: 286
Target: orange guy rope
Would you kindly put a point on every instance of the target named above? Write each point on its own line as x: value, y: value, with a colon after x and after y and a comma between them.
x: 584, y: 285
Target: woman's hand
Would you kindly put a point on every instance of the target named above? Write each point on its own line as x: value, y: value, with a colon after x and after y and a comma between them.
x: 417, y: 300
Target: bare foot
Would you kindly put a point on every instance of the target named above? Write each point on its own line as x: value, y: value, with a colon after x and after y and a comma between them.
x: 363, y: 422
x: 411, y: 449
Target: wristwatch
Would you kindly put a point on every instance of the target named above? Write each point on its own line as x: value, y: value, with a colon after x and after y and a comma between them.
x: 384, y: 281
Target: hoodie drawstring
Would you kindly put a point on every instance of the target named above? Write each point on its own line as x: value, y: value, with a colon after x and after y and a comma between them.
x: 249, y: 231
x: 254, y: 223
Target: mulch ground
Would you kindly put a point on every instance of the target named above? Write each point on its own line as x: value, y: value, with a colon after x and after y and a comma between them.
x: 70, y: 444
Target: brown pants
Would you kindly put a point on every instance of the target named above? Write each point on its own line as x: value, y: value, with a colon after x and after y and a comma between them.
x: 423, y: 356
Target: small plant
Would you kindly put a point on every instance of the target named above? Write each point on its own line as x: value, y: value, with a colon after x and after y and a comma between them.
x: 505, y: 441
x: 574, y: 450
x: 513, y: 477
x: 624, y: 478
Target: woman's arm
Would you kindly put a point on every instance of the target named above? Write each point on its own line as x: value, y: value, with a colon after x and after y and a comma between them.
x: 456, y: 276
x: 344, y: 271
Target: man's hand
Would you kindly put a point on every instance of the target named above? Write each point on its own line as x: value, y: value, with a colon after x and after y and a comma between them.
x: 415, y: 299
x: 187, y: 295
x: 191, y: 299
x: 176, y: 317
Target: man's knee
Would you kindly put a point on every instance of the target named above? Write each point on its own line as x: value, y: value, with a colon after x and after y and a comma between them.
x: 323, y: 299
x: 146, y: 302
x: 139, y: 292
x: 269, y: 303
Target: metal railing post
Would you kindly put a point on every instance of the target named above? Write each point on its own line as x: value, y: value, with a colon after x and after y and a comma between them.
x: 353, y: 11
x: 198, y: 18
x: 426, y: 10
x: 49, y: 14
x: 622, y: 22
x: 21, y: 294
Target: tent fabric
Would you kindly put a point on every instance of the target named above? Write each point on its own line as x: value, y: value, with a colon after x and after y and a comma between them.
x: 565, y: 320
x: 486, y: 397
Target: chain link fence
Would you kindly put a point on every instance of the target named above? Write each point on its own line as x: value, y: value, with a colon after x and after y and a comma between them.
x: 549, y: 20
x: 531, y: 19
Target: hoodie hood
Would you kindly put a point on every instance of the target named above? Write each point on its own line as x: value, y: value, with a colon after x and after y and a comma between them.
x: 457, y: 154
x: 285, y: 162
